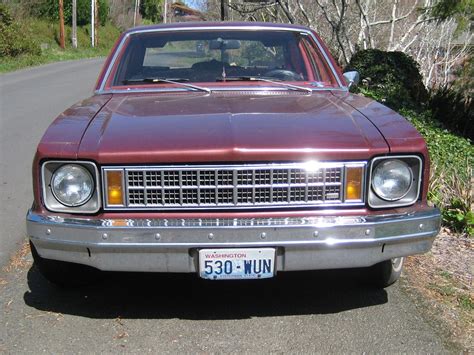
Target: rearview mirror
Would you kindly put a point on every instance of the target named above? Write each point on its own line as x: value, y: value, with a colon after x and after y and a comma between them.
x: 224, y: 44
x: 352, y: 78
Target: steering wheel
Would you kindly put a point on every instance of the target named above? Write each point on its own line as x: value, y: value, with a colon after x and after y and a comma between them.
x: 284, y: 74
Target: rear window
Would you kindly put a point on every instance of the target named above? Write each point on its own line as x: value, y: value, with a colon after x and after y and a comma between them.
x: 212, y: 56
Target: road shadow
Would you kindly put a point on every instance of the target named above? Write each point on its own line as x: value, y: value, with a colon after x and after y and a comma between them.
x: 185, y: 296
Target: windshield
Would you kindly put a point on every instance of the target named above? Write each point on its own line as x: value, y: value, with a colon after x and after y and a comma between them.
x: 220, y: 56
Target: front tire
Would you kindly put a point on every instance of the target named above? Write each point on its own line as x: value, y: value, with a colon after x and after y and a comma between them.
x: 387, y: 272
x: 62, y: 273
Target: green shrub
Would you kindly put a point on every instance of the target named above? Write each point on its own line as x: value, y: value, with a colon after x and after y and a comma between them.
x: 107, y: 34
x: 151, y: 10
x: 454, y: 109
x: 49, y: 9
x: 392, y: 78
x: 13, y: 39
x: 451, y: 179
x: 48, y: 32
x: 459, y: 217
x: 6, y: 18
x: 464, y: 82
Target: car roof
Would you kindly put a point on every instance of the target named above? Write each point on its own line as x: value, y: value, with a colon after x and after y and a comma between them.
x: 204, y: 24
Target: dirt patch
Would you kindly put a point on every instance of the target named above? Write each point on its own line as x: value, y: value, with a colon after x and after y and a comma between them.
x: 20, y: 260
x: 443, y: 278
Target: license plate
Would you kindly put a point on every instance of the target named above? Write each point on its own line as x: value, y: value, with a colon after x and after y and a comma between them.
x: 231, y: 264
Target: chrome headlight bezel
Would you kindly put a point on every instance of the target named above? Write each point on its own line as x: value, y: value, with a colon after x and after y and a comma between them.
x: 54, y: 204
x: 415, y: 166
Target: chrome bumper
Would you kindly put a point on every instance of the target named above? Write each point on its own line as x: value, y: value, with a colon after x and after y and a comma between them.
x: 161, y: 245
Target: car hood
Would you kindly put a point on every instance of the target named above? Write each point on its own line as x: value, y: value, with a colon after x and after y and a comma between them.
x: 224, y: 127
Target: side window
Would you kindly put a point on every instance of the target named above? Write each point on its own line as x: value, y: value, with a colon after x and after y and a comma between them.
x: 318, y: 63
x: 131, y: 62
x: 294, y: 60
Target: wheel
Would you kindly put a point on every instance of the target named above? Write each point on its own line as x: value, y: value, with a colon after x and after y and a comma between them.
x: 387, y: 272
x: 62, y: 273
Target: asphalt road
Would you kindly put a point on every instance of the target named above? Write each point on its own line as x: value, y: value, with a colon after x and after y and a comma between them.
x: 29, y: 101
x: 300, y: 313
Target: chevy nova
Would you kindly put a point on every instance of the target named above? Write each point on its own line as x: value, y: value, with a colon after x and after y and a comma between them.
x: 230, y: 150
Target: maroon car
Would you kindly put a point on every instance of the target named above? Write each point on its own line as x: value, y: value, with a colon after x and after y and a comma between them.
x: 230, y: 150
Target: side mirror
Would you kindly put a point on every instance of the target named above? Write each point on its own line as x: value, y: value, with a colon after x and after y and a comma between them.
x: 352, y: 78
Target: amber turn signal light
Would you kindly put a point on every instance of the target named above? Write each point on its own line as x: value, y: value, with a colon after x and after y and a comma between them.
x: 354, y: 183
x: 114, y: 187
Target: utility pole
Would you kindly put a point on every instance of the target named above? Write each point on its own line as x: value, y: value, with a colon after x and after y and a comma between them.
x: 74, y: 24
x: 165, y: 10
x: 97, y: 22
x: 224, y: 10
x: 61, y: 25
x: 136, y: 12
x: 92, y: 23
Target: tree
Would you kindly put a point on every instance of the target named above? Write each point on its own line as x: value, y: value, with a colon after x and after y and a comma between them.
x: 50, y: 10
x: 427, y: 30
x: 152, y: 10
x: 461, y: 10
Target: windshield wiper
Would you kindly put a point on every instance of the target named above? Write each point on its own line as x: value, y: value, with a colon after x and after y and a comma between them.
x: 177, y: 81
x: 272, y: 81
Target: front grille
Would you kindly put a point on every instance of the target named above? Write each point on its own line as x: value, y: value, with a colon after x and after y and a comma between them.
x: 230, y: 186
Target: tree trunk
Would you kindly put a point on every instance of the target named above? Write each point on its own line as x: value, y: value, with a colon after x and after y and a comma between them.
x: 61, y: 25
x: 224, y: 10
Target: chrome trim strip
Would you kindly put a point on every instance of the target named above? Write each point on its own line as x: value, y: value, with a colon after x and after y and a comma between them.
x: 237, y: 166
x: 227, y: 223
x: 288, y: 243
x: 101, y: 89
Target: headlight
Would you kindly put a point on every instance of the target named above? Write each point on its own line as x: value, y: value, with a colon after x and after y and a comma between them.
x: 72, y: 185
x: 392, y: 179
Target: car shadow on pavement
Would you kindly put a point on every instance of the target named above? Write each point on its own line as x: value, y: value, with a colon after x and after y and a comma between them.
x: 185, y: 296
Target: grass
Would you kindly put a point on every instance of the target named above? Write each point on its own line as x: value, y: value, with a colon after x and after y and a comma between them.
x: 466, y: 303
x: 443, y: 290
x: 442, y: 281
x: 446, y: 274
x: 46, y: 34
x: 53, y: 55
